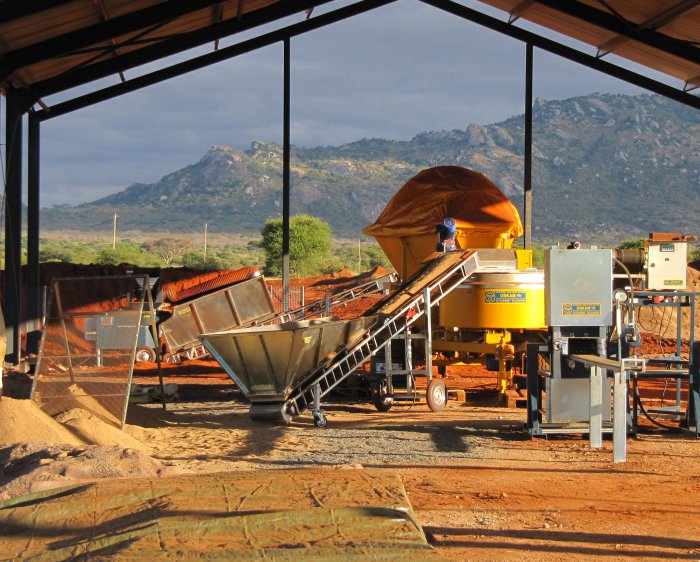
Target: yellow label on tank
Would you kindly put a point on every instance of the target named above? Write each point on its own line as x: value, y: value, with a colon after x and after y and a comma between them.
x: 581, y: 309
x: 494, y: 296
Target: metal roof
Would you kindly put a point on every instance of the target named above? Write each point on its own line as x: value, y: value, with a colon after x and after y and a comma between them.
x: 49, y: 46
x: 660, y: 34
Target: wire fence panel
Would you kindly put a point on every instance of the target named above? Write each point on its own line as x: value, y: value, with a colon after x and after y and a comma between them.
x: 88, y: 344
x: 296, y: 297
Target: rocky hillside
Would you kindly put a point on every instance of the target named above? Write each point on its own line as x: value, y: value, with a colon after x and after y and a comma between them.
x: 605, y: 168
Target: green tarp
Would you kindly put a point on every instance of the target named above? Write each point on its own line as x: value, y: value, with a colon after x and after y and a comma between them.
x: 342, y: 515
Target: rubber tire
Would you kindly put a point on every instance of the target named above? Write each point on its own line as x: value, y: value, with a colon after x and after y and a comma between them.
x: 380, y: 398
x: 320, y: 420
x: 436, y: 395
x: 145, y: 354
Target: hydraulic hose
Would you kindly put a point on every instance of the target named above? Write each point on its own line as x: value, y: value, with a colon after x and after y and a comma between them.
x: 647, y: 415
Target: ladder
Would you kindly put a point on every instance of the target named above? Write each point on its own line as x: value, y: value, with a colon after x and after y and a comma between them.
x: 395, y: 314
x: 325, y: 305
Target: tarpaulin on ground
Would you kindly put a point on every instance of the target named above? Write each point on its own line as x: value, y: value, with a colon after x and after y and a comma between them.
x: 485, y: 217
x: 342, y: 515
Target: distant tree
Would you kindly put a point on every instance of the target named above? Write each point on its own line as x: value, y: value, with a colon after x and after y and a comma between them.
x: 693, y: 253
x: 167, y: 249
x: 196, y: 260
x: 310, y: 242
x: 126, y: 252
x: 637, y: 243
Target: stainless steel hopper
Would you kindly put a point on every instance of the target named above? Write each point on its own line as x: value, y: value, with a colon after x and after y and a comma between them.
x: 269, y: 362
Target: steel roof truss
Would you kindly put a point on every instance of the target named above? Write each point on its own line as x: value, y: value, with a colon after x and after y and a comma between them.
x: 617, y: 25
x: 661, y: 19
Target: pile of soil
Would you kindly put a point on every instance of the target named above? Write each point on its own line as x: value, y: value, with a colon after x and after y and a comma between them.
x: 34, y: 467
x: 661, y: 322
x: 316, y: 288
x: 24, y: 421
x: 38, y: 452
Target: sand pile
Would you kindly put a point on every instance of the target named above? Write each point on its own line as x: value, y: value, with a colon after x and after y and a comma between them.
x: 22, y: 421
x: 78, y: 398
x: 38, y: 452
x: 91, y: 429
x: 33, y: 467
x: 662, y: 322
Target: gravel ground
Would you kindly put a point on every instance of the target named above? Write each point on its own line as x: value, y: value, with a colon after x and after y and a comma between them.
x: 220, y: 435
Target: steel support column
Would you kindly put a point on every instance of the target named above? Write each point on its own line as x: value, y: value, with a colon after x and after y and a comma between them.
x: 527, y: 183
x: 13, y: 223
x: 693, y: 412
x: 33, y: 301
x: 285, y: 177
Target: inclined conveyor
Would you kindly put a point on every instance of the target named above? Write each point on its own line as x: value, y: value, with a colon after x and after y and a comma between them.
x: 288, y: 368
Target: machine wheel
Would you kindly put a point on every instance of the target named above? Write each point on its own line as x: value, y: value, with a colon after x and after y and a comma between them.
x: 436, y: 395
x: 320, y: 419
x: 145, y: 354
x: 270, y: 413
x: 381, y: 398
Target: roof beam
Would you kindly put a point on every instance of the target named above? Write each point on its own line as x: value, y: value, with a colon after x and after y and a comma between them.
x: 519, y: 10
x: 210, y: 58
x: 654, y: 23
x: 217, y: 15
x: 170, y: 46
x: 11, y: 10
x: 104, y: 14
x: 692, y: 83
x: 612, y: 23
x: 105, y: 31
x: 565, y: 52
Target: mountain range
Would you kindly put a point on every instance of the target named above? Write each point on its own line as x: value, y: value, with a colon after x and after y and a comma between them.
x: 605, y: 168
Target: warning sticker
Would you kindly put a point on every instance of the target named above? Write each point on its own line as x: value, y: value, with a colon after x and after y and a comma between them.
x: 510, y: 296
x: 581, y: 309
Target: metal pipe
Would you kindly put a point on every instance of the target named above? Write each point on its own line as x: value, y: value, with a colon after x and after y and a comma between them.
x: 527, y: 184
x: 285, y: 176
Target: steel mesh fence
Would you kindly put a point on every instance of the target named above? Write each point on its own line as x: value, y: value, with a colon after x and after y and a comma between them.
x: 88, y: 344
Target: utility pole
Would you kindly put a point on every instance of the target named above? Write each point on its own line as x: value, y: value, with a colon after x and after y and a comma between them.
x: 114, y: 232
x: 359, y: 256
x: 206, y: 227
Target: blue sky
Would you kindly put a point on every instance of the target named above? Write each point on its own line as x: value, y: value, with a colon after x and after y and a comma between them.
x: 390, y: 73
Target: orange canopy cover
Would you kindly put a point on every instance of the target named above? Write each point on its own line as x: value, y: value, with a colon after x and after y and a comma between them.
x: 448, y: 191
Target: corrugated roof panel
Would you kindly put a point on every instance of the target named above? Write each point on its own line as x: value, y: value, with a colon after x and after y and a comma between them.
x: 636, y: 11
x: 659, y: 60
x: 223, y: 280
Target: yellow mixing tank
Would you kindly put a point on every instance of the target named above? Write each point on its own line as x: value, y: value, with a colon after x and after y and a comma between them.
x: 507, y: 300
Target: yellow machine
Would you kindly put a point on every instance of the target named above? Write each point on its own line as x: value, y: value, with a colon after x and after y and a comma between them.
x: 479, y: 319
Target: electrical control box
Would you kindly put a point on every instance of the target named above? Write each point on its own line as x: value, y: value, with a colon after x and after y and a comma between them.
x: 666, y: 264
x: 578, y: 287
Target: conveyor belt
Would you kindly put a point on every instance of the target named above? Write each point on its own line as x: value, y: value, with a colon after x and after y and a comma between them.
x: 396, y: 313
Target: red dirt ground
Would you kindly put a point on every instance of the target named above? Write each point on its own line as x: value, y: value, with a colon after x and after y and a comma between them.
x: 540, y: 500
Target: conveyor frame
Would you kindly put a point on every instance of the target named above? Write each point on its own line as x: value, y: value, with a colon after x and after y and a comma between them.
x: 396, y: 314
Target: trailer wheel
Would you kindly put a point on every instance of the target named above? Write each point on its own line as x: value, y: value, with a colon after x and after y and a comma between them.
x: 320, y: 419
x: 381, y: 398
x: 145, y: 354
x: 436, y: 395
